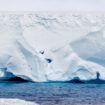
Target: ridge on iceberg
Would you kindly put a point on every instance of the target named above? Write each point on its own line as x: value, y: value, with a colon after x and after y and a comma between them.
x: 92, y: 46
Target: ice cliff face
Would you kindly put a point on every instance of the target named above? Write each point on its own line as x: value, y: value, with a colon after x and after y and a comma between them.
x: 66, y: 65
x: 17, y: 58
x: 19, y: 49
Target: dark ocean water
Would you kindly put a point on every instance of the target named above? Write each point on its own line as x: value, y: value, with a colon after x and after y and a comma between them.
x: 55, y: 93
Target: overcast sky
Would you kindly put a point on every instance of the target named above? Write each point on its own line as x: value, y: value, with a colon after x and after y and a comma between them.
x: 52, y: 5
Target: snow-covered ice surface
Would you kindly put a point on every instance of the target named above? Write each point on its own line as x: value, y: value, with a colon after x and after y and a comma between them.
x: 24, y: 35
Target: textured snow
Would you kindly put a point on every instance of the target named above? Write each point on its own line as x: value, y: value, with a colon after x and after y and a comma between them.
x: 36, y: 47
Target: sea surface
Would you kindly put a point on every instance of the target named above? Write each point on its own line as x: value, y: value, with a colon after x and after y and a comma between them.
x: 54, y: 93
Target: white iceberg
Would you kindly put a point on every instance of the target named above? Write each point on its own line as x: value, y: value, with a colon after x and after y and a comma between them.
x: 19, y: 59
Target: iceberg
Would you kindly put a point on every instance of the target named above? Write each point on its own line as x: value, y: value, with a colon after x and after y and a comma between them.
x: 18, y: 58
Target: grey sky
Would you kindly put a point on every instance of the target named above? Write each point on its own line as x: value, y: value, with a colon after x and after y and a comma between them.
x: 53, y: 5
